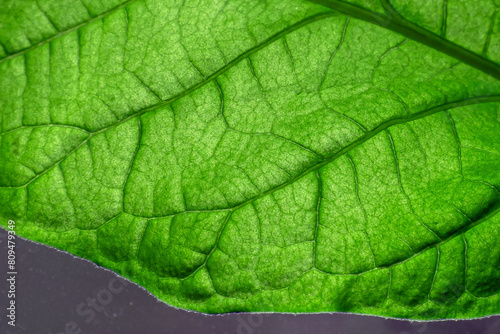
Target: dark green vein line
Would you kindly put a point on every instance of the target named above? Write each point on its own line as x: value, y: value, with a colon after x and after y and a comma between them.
x: 372, y: 133
x: 400, y: 183
x: 444, y: 18
x: 132, y: 161
x: 392, y: 20
x: 334, y: 53
x: 216, y: 244
x: 67, y: 31
x: 494, y: 210
x: 202, y: 83
x: 490, y: 32
x: 51, y: 125
x: 318, y: 208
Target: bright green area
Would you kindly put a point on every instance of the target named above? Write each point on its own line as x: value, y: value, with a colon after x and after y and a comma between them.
x: 261, y: 155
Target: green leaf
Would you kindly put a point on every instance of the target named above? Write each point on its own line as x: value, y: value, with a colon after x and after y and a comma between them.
x: 252, y: 155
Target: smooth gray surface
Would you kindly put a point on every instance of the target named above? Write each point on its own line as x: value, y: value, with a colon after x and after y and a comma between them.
x: 51, y: 285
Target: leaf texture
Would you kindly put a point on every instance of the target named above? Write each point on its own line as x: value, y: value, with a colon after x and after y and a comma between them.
x: 285, y: 156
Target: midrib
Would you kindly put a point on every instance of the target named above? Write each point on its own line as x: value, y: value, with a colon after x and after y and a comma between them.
x: 392, y: 20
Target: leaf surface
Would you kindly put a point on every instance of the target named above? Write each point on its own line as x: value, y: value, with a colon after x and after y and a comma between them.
x: 283, y: 156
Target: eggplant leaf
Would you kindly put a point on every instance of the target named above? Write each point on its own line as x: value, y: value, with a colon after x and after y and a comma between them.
x: 262, y: 155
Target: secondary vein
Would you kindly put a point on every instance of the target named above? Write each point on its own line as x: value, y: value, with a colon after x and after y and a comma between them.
x: 188, y: 91
x: 67, y: 31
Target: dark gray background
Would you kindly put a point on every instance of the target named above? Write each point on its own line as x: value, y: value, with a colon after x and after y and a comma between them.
x: 51, y: 284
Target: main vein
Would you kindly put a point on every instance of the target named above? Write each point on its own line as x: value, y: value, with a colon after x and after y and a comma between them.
x: 392, y: 20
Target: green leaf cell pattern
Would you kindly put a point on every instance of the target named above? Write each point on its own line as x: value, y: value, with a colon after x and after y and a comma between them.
x: 284, y: 156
